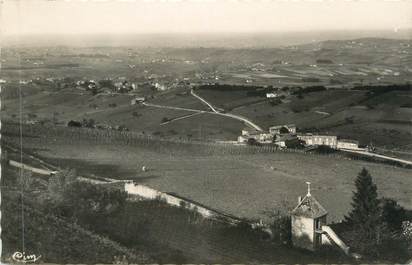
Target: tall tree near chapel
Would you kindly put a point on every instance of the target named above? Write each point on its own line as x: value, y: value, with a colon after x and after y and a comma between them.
x: 366, y: 213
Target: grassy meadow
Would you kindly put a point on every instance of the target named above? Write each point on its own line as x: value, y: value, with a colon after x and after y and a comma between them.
x: 229, y: 179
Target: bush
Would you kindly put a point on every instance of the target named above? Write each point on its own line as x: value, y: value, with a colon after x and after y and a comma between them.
x: 88, y: 123
x: 56, y: 240
x: 393, y: 214
x: 324, y: 149
x: 253, y: 141
x: 308, y: 89
x: 372, y: 222
x: 275, y: 102
x: 85, y: 202
x: 73, y: 123
x: 165, y: 119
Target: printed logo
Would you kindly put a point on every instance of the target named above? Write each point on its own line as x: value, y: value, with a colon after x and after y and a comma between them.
x: 23, y: 258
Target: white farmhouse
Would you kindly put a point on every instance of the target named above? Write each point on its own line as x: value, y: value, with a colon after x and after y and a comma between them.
x: 348, y: 144
x: 271, y: 95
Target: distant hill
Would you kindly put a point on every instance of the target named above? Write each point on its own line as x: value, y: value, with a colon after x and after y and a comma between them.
x: 207, y: 40
x: 356, y: 51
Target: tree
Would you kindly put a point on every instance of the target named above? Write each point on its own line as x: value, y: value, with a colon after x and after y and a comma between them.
x: 374, y: 225
x: 365, y: 201
x: 89, y: 203
x: 365, y: 216
x: 393, y: 214
x: 284, y: 130
x: 88, y: 123
x: 280, y: 222
x: 73, y: 123
x: 59, y: 182
x: 252, y: 141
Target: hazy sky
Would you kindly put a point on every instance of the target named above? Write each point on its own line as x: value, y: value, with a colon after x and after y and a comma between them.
x: 100, y: 16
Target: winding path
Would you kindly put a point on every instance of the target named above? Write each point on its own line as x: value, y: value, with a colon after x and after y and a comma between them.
x: 174, y: 108
x: 203, y: 100
x: 237, y: 117
x: 234, y: 116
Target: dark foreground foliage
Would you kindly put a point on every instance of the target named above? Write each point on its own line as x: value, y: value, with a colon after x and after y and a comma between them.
x: 374, y: 226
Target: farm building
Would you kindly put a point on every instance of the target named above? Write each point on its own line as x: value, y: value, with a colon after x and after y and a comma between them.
x: 287, y: 140
x: 288, y: 131
x: 283, y: 129
x: 249, y: 131
x: 160, y: 87
x: 348, y: 144
x: 271, y: 95
x: 137, y: 100
x: 261, y: 137
x: 327, y: 140
x: 242, y: 139
x: 307, y: 217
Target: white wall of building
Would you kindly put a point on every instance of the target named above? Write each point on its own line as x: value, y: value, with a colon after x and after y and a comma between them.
x: 303, y: 232
x: 348, y: 145
x: 331, y: 141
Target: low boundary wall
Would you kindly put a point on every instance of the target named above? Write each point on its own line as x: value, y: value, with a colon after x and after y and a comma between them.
x: 145, y: 192
x: 30, y: 168
x: 176, y: 200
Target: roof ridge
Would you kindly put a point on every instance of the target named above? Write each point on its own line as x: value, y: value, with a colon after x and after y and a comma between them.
x: 313, y: 212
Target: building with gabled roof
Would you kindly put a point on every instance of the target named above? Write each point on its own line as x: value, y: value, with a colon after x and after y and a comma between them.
x: 308, y: 217
x: 309, y: 226
x: 283, y: 129
x: 309, y: 207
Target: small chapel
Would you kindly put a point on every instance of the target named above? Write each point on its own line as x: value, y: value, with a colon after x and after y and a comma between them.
x: 309, y: 225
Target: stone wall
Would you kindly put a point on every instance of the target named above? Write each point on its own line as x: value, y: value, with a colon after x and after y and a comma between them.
x: 152, y: 194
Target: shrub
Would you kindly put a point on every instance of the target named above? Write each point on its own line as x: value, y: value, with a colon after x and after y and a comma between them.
x: 165, y: 119
x: 324, y: 149
x: 88, y: 123
x: 83, y: 201
x: 393, y: 214
x: 372, y: 222
x: 73, y: 123
x: 275, y: 102
x: 253, y: 141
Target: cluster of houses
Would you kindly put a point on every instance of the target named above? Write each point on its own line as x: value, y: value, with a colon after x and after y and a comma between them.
x: 121, y: 86
x: 286, y: 136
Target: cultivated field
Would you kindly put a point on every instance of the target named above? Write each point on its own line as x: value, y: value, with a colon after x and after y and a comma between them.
x: 75, y: 104
x: 381, y: 119
x: 231, y: 179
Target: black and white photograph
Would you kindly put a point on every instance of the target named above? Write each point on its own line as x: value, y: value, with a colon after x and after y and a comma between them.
x: 206, y: 131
